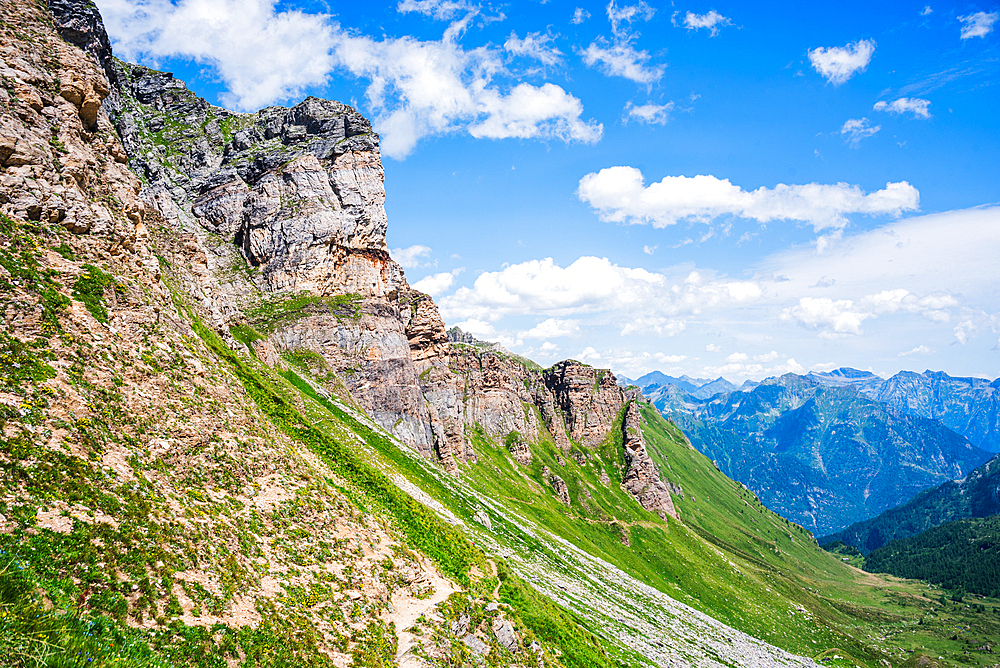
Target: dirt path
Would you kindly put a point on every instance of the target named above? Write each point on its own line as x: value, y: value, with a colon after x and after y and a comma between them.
x: 493, y: 569
x: 407, y: 609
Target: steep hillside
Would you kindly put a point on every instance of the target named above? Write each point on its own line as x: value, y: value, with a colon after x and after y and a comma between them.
x: 232, y: 434
x: 820, y: 455
x: 976, y: 495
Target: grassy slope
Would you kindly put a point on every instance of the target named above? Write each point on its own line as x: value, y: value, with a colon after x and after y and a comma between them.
x: 730, y: 557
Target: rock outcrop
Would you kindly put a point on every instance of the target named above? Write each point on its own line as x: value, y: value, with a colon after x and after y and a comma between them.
x: 558, y: 485
x: 642, y: 477
x: 292, y: 202
x: 589, y: 398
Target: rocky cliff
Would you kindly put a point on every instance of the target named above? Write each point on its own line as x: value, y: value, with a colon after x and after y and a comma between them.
x: 283, y: 211
x: 642, y: 476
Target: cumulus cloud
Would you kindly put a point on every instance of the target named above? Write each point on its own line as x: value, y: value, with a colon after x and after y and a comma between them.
x: 551, y: 329
x: 914, y: 105
x: 435, y: 284
x: 409, y: 258
x: 530, y: 111
x: 856, y: 129
x: 840, y: 317
x: 229, y: 36
x: 579, y: 16
x: 619, y: 195
x: 417, y: 88
x: 713, y: 20
x: 713, y: 348
x: 833, y: 317
x: 979, y: 24
x: 594, y: 285
x: 534, y: 45
x: 839, y: 63
x: 420, y: 88
x: 657, y: 114
x: 926, y: 11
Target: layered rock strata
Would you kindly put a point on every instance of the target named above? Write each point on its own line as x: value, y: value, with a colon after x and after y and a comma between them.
x: 642, y: 477
x: 289, y: 201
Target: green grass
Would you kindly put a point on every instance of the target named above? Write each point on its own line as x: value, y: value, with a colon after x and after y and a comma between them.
x: 282, y: 310
x: 90, y: 287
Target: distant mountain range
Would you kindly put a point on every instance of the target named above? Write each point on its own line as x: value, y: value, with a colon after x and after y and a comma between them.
x: 976, y: 495
x: 822, y: 449
x: 700, y: 388
x: 969, y: 406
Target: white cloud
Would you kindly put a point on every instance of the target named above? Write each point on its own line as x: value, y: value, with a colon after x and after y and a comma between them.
x: 653, y: 325
x: 767, y: 357
x: 737, y: 357
x: 619, y: 195
x: 739, y: 368
x: 551, y: 329
x: 953, y: 252
x: 534, y: 45
x: 856, y: 129
x: 579, y: 16
x: 839, y: 63
x: 713, y: 348
x: 230, y: 36
x: 422, y: 88
x: 622, y: 60
x: 833, y: 317
x: 919, y: 350
x: 530, y: 111
x: 590, y: 354
x: 593, y: 285
x: 649, y: 250
x: 844, y: 316
x: 417, y: 88
x: 914, y: 105
x: 979, y: 24
x: 622, y: 16
x: 409, y: 258
x: 926, y: 11
x: 439, y: 9
x: 650, y: 113
x: 478, y: 328
x: 618, y: 57
x: 435, y: 284
x: 713, y: 20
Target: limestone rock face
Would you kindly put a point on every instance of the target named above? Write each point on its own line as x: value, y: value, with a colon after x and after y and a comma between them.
x: 441, y: 389
x: 497, y: 396
x: 642, y: 476
x: 589, y: 398
x: 297, y: 195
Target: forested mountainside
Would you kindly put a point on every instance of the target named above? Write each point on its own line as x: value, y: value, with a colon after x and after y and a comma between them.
x: 824, y: 456
x: 976, y: 495
x: 963, y: 556
x: 233, y: 435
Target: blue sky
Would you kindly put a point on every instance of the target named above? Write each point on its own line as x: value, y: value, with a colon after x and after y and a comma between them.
x: 728, y: 189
